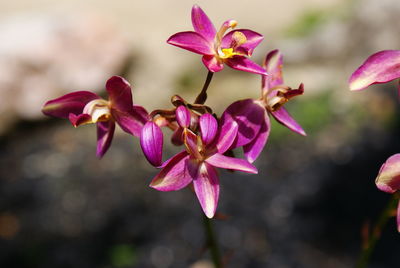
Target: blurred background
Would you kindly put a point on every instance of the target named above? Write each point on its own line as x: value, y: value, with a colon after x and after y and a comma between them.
x: 62, y: 207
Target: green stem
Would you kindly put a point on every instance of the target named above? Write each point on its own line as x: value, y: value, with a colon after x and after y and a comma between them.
x: 202, y: 97
x: 386, y: 214
x: 212, y: 242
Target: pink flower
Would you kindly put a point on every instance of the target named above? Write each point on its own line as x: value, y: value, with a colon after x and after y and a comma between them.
x: 204, y: 152
x: 232, y: 48
x: 84, y: 107
x: 252, y: 116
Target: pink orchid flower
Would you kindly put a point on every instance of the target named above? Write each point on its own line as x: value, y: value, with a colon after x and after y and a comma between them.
x: 232, y: 48
x: 252, y: 116
x: 84, y: 107
x: 381, y: 67
x: 204, y: 152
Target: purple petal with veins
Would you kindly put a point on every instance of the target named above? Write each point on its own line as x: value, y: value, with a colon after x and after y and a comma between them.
x: 151, y: 141
x: 192, y: 41
x: 208, y: 128
x: 202, y: 24
x: 206, y: 186
x: 273, y: 65
x: 222, y: 161
x: 249, y: 116
x: 105, y: 133
x: 131, y: 122
x: 182, y: 116
x: 120, y: 94
x: 388, y: 179
x: 70, y: 103
x: 253, y: 149
x: 380, y: 67
x: 244, y: 64
x: 282, y: 116
x: 227, y: 134
x: 212, y: 63
x: 174, y: 175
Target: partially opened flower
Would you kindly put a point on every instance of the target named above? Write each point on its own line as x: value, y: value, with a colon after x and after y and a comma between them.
x: 204, y: 152
x: 388, y: 179
x: 232, y: 48
x: 84, y: 107
x: 252, y: 116
x: 381, y: 67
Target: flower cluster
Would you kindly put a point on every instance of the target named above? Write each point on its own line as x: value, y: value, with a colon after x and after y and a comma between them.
x: 207, y: 140
x: 381, y: 67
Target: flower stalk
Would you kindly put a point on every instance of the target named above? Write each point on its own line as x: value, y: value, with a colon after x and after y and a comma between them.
x: 202, y: 97
x: 212, y: 242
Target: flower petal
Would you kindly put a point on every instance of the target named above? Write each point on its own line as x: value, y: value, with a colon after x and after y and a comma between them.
x: 222, y: 161
x: 253, y: 149
x: 244, y: 64
x: 151, y: 141
x: 212, y: 63
x: 78, y: 120
x: 380, y: 67
x: 120, y: 94
x: 388, y: 179
x: 202, y: 24
x: 70, y: 103
x: 208, y: 128
x: 192, y: 41
x: 249, y: 116
x: 176, y: 137
x: 226, y: 134
x: 273, y: 65
x: 131, y: 122
x: 174, y: 175
x: 105, y: 133
x: 282, y: 116
x: 182, y: 116
x: 206, y: 186
x: 253, y: 39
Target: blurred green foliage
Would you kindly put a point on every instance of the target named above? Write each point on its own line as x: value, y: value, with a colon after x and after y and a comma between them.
x: 122, y: 255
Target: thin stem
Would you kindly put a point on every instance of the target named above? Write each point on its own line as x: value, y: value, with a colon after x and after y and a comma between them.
x: 369, y: 247
x: 202, y: 97
x: 212, y: 242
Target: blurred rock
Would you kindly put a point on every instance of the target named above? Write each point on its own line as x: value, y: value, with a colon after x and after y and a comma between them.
x: 45, y: 56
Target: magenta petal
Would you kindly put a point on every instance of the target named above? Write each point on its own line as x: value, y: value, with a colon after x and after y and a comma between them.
x: 208, y: 128
x: 388, y: 179
x: 105, y: 133
x: 202, y: 24
x: 70, y: 103
x: 206, y: 186
x: 253, y: 40
x: 131, y: 122
x: 283, y: 117
x: 273, y: 65
x: 177, y: 138
x: 192, y: 41
x: 120, y: 94
x: 244, y: 64
x: 81, y: 119
x: 174, y: 175
x: 249, y: 116
x: 212, y: 63
x: 151, y: 141
x: 222, y: 161
x: 182, y: 116
x: 253, y: 149
x: 226, y: 134
x: 381, y: 67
